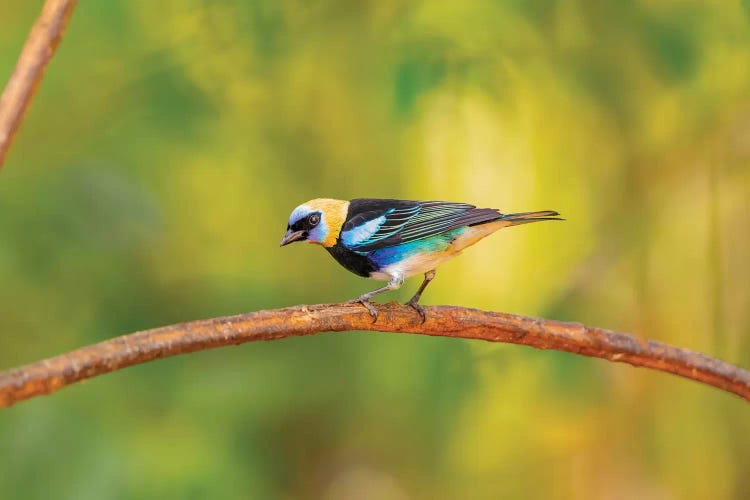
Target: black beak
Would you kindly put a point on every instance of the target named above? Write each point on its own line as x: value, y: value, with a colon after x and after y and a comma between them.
x: 292, y: 236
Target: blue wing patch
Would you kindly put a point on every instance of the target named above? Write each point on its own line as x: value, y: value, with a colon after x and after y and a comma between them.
x: 395, y: 220
x: 376, y: 225
x: 363, y: 233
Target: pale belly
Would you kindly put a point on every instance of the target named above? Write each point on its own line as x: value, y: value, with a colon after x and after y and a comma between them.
x: 412, y: 266
x: 422, y: 262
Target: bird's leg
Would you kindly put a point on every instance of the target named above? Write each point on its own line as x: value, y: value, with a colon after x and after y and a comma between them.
x: 364, y: 299
x: 414, y: 301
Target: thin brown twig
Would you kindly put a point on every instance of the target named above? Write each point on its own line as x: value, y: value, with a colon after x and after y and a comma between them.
x: 37, y: 52
x: 45, y: 377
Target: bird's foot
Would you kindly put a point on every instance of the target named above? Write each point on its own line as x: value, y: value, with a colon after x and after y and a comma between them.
x: 369, y: 305
x: 415, y: 305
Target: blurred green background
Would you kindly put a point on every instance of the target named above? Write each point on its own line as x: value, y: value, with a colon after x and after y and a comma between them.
x: 152, y: 180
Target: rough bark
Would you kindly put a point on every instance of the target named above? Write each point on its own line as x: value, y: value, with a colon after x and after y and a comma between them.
x: 45, y: 377
x: 37, y: 52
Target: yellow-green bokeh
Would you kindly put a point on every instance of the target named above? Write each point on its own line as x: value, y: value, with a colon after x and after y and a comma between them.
x: 153, y: 176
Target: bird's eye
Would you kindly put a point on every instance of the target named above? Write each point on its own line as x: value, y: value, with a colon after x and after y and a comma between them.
x: 313, y: 219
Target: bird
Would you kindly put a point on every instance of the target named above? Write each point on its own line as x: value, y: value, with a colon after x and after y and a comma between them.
x: 391, y: 240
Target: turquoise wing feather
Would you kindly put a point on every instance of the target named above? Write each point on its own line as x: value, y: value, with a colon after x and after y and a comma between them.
x: 378, y: 224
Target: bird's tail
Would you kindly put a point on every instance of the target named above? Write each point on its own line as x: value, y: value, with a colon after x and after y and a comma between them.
x: 526, y: 217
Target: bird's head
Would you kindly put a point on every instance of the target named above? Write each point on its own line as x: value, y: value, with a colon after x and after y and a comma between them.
x: 317, y: 221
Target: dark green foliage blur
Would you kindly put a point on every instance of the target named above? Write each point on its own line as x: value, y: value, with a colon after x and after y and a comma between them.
x: 152, y: 180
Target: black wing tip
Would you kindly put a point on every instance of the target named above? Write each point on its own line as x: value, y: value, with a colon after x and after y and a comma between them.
x: 531, y: 215
x: 527, y: 217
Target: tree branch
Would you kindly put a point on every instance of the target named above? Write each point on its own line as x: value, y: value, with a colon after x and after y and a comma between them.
x: 45, y: 377
x: 40, y: 46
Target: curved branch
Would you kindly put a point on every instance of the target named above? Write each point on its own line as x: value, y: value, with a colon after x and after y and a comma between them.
x: 45, y: 377
x: 40, y: 46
